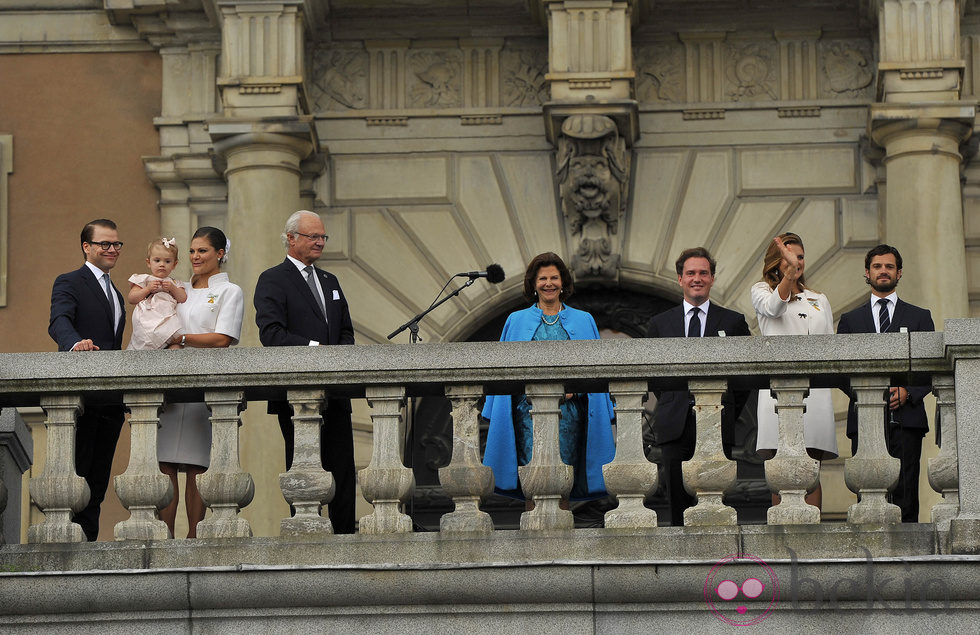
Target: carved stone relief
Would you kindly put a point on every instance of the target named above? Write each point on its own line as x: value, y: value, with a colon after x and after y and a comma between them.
x: 847, y: 68
x: 593, y: 169
x: 523, y: 72
x: 660, y: 73
x: 751, y: 72
x: 434, y: 79
x: 339, y: 80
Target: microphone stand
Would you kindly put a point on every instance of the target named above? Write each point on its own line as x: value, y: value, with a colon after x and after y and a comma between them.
x: 413, y: 324
x: 413, y: 328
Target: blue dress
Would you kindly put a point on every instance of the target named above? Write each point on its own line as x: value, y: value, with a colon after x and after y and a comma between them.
x: 585, y: 422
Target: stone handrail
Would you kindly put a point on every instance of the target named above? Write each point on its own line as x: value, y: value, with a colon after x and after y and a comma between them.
x: 385, y: 375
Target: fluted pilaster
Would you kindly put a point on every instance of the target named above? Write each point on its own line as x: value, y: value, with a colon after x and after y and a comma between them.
x: 225, y: 488
x: 386, y: 483
x: 59, y: 492
x: 143, y: 489
x: 466, y: 480
x: 630, y: 477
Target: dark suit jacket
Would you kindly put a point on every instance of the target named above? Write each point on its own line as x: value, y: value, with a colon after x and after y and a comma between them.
x: 80, y: 311
x: 287, y: 314
x: 861, y: 320
x: 673, y: 407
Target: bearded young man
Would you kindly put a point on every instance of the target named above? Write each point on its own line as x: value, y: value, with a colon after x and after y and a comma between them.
x: 906, y: 422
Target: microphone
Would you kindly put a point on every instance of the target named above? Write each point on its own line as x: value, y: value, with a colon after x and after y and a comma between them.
x: 494, y: 274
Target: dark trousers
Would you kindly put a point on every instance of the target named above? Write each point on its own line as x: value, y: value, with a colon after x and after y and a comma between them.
x: 905, y: 444
x: 96, y: 433
x: 674, y: 453
x: 337, y: 457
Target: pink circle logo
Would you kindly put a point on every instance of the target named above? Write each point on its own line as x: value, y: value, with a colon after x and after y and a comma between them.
x: 741, y: 595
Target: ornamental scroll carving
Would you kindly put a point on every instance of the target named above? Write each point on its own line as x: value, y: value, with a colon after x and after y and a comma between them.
x: 340, y: 80
x: 593, y: 169
x: 847, y: 70
x: 524, y: 82
x: 435, y: 80
x: 660, y: 74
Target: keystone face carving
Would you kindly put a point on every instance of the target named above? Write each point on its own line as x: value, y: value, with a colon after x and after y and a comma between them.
x: 593, y: 166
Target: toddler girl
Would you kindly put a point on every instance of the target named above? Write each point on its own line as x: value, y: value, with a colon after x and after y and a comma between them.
x: 156, y: 296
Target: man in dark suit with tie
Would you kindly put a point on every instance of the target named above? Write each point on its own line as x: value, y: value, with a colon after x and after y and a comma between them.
x: 906, y: 417
x: 673, y: 417
x: 87, y: 314
x: 297, y: 304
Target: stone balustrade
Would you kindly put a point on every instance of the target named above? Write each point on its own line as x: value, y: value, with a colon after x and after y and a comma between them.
x: 386, y: 375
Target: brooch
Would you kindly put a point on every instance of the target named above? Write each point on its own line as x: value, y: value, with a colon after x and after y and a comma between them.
x: 211, y: 298
x: 814, y: 303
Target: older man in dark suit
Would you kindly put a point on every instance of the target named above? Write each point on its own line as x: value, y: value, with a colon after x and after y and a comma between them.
x: 297, y: 304
x: 907, y: 422
x: 87, y: 314
x: 674, y: 429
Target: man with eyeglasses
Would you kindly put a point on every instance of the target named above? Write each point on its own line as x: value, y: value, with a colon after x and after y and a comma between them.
x: 297, y: 304
x: 88, y: 314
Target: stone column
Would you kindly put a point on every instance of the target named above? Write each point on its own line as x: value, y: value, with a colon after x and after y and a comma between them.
x: 225, y: 488
x: 59, y: 491
x: 630, y: 477
x: 924, y: 205
x: 306, y: 486
x: 921, y: 122
x: 466, y: 480
x: 263, y: 133
x: 871, y: 472
x: 263, y: 173
x: 143, y: 488
x: 709, y: 473
x: 791, y: 473
x: 386, y: 483
x: 943, y: 472
x: 962, y: 341
x: 545, y: 480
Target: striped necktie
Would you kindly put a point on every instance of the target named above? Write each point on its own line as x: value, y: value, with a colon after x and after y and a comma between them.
x: 883, y: 320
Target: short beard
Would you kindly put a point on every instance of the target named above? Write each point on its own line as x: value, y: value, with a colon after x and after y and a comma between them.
x: 882, y: 288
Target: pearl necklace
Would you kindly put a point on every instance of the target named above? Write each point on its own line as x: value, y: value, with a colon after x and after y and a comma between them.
x: 555, y: 321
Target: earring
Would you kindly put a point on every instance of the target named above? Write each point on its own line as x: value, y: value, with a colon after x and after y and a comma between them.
x: 535, y: 293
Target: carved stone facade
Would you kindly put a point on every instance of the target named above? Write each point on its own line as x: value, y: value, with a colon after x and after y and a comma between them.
x: 435, y: 140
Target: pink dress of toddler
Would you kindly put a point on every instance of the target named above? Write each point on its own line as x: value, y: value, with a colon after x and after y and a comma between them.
x: 155, y: 318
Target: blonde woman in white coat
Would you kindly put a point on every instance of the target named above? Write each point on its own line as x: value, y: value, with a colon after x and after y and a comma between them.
x: 785, y: 306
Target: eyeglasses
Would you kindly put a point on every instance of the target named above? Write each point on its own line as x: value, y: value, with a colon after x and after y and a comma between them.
x: 106, y: 245
x: 315, y: 237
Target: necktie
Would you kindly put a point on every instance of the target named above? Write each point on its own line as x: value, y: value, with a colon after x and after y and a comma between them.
x: 316, y: 294
x: 883, y: 321
x: 108, y: 296
x: 694, y: 326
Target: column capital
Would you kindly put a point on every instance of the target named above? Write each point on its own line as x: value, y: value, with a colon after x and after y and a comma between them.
x: 913, y: 128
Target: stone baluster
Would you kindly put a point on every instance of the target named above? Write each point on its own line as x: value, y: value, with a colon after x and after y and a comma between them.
x: 943, y: 469
x: 466, y: 480
x: 143, y: 488
x: 791, y: 473
x: 630, y: 477
x: 709, y: 473
x: 545, y: 480
x: 225, y: 488
x: 871, y: 471
x: 386, y: 482
x: 306, y: 486
x: 59, y: 491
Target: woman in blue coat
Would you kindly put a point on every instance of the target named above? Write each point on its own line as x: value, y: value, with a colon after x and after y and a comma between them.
x: 585, y: 423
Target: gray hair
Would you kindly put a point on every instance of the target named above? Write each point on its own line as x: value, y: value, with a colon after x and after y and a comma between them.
x: 292, y: 225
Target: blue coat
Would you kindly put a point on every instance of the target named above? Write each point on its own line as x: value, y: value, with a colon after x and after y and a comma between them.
x: 501, y: 452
